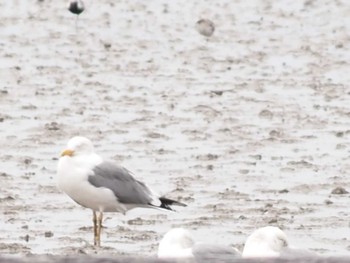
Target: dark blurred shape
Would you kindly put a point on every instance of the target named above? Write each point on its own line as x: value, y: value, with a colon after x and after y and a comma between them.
x: 76, y: 7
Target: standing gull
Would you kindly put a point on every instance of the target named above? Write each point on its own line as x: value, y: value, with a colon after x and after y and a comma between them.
x: 102, y: 186
x: 76, y: 7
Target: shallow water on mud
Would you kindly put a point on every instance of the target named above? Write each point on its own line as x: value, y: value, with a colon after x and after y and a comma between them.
x: 249, y: 128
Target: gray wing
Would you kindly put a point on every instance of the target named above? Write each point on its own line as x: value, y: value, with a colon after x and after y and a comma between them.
x: 124, y: 186
x: 214, y: 253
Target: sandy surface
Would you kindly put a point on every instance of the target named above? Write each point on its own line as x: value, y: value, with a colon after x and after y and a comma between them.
x: 250, y: 127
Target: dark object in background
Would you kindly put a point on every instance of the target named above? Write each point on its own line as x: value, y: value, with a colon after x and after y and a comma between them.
x: 76, y: 7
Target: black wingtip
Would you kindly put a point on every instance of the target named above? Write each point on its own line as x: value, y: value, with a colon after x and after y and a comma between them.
x: 167, y: 203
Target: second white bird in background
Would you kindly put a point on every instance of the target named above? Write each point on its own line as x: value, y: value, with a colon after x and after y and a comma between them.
x: 271, y: 241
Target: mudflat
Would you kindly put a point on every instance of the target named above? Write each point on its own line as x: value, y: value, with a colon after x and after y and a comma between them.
x: 248, y: 127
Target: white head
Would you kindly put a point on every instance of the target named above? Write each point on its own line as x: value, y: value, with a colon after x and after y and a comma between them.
x: 75, y: 165
x: 78, y: 146
x: 177, y: 242
x: 267, y: 241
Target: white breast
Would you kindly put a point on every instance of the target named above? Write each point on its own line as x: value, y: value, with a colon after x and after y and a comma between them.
x: 73, y: 176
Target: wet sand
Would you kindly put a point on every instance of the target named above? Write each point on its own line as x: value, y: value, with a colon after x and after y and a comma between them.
x: 249, y: 127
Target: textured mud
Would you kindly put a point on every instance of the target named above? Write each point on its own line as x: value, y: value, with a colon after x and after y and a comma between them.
x: 249, y: 127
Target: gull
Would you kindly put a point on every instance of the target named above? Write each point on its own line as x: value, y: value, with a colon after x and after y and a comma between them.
x: 102, y: 186
x: 76, y: 7
x: 178, y: 243
x: 271, y: 241
x: 267, y: 241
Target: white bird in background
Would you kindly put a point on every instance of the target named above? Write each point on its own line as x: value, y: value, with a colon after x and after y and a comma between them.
x: 265, y: 242
x: 102, y: 186
x: 179, y: 243
x: 271, y: 241
x: 176, y: 243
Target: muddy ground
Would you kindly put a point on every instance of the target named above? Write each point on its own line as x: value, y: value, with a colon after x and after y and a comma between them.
x: 249, y: 127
